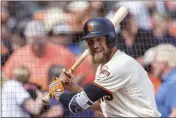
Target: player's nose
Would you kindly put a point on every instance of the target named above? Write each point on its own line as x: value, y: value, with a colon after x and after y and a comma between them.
x: 95, y: 44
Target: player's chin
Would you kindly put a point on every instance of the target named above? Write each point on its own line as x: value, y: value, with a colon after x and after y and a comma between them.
x: 98, y: 58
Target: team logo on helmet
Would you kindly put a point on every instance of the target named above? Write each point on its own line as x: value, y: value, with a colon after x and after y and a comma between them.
x: 89, y: 27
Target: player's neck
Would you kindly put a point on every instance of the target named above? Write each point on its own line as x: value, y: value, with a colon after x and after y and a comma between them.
x: 110, y: 55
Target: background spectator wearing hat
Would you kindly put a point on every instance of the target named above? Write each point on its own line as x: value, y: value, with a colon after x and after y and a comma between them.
x: 164, y: 67
x: 62, y: 34
x: 146, y: 61
x: 163, y: 76
x: 38, y: 55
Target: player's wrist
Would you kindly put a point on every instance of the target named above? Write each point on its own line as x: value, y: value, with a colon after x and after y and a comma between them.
x: 75, y: 88
x: 57, y: 95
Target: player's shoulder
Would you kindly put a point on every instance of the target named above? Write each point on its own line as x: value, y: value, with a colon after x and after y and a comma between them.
x: 122, y: 63
x: 120, y: 59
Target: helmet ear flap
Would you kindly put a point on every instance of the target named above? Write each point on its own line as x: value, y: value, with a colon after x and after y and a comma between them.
x: 111, y: 40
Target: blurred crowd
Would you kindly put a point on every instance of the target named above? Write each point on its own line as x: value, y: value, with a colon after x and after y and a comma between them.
x: 39, y: 39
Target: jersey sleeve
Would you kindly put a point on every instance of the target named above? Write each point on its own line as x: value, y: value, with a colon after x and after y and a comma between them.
x: 112, y: 78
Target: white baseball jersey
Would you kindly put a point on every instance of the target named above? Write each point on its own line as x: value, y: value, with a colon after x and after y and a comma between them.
x: 132, y: 93
x: 13, y: 95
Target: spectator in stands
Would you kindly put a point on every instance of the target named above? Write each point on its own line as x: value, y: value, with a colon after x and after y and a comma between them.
x: 4, y: 13
x: 6, y: 49
x: 161, y: 25
x: 22, y: 9
x: 140, y: 11
x: 147, y: 60
x: 80, y: 12
x: 75, y: 13
x: 38, y: 55
x: 133, y: 40
x: 17, y: 41
x: 62, y: 34
x: 164, y: 67
x: 16, y: 101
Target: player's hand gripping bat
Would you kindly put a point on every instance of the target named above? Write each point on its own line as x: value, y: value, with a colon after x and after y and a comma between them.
x: 116, y: 19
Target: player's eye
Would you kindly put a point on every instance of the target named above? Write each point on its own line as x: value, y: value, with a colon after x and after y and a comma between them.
x: 90, y: 43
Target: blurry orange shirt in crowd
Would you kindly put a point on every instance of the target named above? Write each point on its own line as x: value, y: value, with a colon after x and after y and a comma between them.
x: 89, y: 71
x: 4, y: 50
x: 38, y: 67
x: 156, y: 82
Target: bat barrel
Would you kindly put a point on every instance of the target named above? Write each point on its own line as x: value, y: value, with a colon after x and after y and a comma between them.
x: 119, y: 15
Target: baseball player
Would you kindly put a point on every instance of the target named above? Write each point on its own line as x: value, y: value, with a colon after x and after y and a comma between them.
x: 121, y: 83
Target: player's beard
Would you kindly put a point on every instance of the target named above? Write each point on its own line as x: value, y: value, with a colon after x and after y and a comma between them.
x: 100, y: 57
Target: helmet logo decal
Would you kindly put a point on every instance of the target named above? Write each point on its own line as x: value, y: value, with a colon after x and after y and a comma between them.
x: 89, y: 27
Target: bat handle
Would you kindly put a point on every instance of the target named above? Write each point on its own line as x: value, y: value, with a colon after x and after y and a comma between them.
x: 79, y: 61
x: 71, y: 70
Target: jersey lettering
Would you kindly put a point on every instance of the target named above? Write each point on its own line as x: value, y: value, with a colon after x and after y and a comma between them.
x: 104, y: 72
x: 107, y: 98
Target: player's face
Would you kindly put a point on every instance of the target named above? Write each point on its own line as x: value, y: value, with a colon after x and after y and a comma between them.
x: 98, y: 49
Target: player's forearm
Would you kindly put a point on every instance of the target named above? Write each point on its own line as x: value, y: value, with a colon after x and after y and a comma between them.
x: 76, y: 88
x: 72, y: 87
x: 96, y: 106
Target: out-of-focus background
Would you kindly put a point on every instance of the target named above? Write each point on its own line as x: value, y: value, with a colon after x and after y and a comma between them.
x: 39, y: 39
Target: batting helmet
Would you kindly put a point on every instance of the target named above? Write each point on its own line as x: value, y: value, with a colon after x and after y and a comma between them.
x: 100, y: 27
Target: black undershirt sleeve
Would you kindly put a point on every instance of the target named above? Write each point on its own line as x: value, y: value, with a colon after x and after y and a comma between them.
x: 65, y: 98
x: 94, y: 92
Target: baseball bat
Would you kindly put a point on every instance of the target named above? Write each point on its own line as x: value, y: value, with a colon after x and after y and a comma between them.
x: 116, y: 19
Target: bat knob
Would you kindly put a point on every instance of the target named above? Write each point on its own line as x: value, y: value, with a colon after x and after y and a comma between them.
x: 46, y: 99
